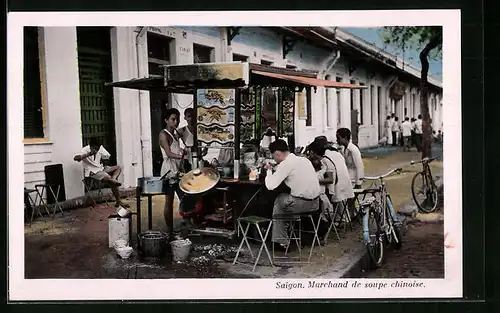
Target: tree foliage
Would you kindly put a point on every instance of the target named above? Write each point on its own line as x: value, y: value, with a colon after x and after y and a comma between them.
x: 415, y: 37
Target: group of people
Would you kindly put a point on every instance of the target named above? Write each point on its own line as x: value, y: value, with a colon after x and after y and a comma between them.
x: 330, y: 172
x: 407, y: 133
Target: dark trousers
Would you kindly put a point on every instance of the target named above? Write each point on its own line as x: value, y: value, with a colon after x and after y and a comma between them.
x: 418, y: 142
x: 394, y: 138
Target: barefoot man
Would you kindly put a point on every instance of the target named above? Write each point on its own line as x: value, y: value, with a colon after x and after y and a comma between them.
x: 91, y: 157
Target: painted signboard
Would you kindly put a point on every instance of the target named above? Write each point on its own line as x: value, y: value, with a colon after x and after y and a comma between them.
x: 215, y: 115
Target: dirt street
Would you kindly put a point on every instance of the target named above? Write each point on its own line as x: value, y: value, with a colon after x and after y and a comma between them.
x: 421, y: 256
x: 76, y: 245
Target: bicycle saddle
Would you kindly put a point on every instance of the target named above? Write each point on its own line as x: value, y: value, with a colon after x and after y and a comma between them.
x: 367, y: 201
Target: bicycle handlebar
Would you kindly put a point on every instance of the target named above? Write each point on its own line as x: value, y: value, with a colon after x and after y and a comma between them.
x: 424, y: 160
x: 399, y: 169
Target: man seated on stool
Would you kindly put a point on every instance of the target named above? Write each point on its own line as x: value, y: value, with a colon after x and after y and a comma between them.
x: 299, y: 175
x: 91, y: 156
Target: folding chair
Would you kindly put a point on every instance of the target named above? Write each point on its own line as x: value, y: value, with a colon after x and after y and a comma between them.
x: 46, y: 188
x: 91, y: 184
x: 254, y: 220
x: 34, y: 204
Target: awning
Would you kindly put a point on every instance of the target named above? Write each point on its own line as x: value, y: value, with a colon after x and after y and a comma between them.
x: 309, y: 81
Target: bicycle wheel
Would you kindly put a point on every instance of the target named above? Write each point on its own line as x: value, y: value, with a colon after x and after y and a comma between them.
x: 424, y: 192
x: 395, y: 237
x: 375, y: 245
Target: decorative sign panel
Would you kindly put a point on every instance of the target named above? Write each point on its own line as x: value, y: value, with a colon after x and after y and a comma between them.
x: 215, y: 115
x: 215, y: 133
x: 215, y: 97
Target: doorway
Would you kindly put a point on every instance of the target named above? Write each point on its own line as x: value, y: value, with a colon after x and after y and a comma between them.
x: 96, y: 100
x: 159, y: 53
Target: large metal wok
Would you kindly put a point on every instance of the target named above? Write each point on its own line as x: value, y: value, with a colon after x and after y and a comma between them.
x: 199, y: 180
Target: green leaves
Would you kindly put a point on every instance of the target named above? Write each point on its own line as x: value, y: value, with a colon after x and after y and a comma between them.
x: 414, y: 37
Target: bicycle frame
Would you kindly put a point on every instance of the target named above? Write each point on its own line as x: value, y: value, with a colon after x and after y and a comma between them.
x: 386, y: 208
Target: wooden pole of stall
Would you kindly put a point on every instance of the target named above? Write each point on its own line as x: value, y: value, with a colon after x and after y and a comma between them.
x: 194, y: 148
x: 237, y: 128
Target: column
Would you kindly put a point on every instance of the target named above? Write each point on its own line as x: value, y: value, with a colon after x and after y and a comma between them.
x: 59, y: 53
x: 127, y: 107
x: 345, y: 109
x: 145, y: 109
x: 374, y: 112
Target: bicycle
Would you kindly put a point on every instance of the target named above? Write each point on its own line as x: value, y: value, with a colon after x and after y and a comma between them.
x: 378, y: 211
x: 423, y: 187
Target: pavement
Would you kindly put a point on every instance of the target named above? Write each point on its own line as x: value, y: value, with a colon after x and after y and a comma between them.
x: 76, y: 245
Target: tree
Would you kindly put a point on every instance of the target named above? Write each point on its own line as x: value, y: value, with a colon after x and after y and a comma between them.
x: 429, y: 40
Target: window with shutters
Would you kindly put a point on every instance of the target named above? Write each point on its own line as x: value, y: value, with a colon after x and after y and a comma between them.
x: 203, y: 54
x: 32, y: 80
x: 239, y: 58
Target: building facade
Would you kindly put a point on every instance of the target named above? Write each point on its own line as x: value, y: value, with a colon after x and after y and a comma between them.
x: 69, y: 104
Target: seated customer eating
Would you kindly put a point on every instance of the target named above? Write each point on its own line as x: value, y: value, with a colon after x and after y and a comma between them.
x: 299, y: 175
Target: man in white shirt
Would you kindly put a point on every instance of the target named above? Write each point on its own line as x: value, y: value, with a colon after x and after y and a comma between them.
x: 418, y: 133
x: 341, y: 188
x: 91, y: 156
x: 406, y: 129
x: 299, y: 175
x: 352, y: 157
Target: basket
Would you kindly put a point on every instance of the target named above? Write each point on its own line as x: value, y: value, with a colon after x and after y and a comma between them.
x: 181, y: 249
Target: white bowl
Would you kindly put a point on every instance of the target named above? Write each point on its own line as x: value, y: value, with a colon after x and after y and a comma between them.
x: 124, y: 252
x: 121, y: 243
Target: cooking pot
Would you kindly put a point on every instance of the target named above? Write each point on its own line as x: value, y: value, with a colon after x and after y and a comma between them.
x: 153, y: 243
x: 153, y: 185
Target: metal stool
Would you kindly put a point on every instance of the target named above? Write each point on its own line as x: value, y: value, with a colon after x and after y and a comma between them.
x: 41, y: 188
x: 315, y: 225
x: 254, y: 220
x: 333, y: 221
x: 293, y: 220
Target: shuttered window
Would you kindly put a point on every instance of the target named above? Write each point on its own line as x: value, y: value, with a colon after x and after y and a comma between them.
x: 203, y: 54
x: 33, y: 115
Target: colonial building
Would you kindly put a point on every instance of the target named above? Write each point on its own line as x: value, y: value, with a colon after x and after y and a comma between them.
x: 66, y: 102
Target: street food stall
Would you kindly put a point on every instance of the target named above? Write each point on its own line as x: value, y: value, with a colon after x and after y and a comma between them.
x: 239, y: 108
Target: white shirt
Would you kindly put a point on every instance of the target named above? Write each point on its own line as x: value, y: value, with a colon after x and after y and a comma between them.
x: 354, y: 163
x: 343, y: 189
x: 418, y: 126
x: 298, y: 174
x: 395, y: 126
x: 93, y: 162
x: 406, y: 127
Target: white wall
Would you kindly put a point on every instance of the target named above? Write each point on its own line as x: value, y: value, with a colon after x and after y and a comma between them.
x: 63, y: 107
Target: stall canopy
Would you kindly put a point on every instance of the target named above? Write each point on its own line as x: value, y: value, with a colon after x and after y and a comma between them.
x: 187, y: 78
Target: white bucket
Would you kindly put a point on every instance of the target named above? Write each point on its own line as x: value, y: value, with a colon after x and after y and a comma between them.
x: 180, y: 249
x: 118, y: 229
